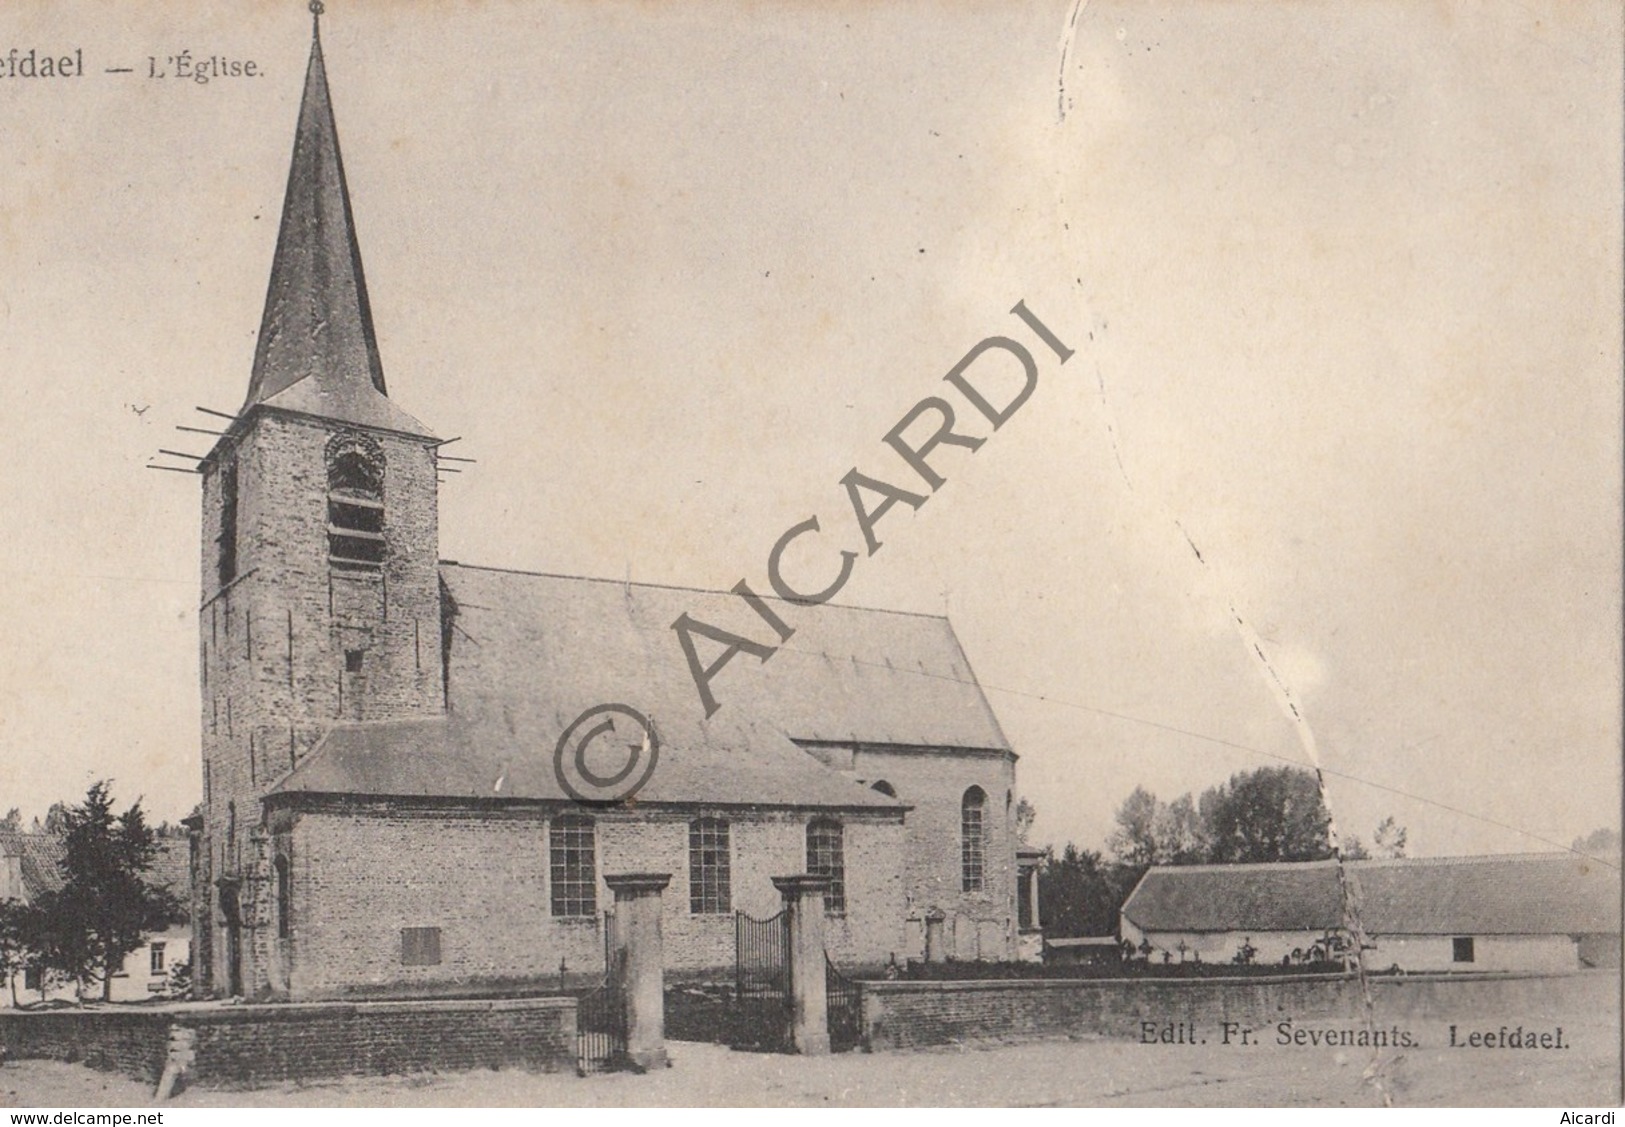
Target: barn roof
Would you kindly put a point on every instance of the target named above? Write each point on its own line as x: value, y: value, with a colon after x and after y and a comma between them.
x: 1509, y: 894
x: 530, y: 652
x: 41, y: 856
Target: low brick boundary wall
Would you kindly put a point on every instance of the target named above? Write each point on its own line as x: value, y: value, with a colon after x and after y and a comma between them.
x: 249, y: 1045
x: 900, y: 1015
x: 134, y: 1042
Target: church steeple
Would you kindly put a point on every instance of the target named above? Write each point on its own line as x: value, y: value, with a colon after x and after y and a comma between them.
x: 320, y: 599
x: 318, y: 351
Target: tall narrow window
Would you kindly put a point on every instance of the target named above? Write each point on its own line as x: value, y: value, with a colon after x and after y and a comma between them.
x: 228, y: 522
x: 284, y: 896
x: 155, y: 964
x: 972, y: 840
x: 1461, y: 949
x: 826, y: 858
x: 355, y: 503
x: 571, y: 863
x: 708, y: 879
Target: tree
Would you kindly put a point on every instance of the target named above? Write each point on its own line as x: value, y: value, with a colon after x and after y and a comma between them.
x: 13, y: 950
x: 180, y: 980
x: 56, y: 818
x: 105, y: 904
x: 54, y: 934
x: 13, y: 821
x: 1079, y: 894
x: 1134, y: 842
x: 1270, y: 814
x: 1026, y: 812
x: 1389, y: 838
x: 1181, y: 838
x: 1152, y: 832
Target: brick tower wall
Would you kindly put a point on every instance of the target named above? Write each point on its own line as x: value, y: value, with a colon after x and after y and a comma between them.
x: 277, y: 640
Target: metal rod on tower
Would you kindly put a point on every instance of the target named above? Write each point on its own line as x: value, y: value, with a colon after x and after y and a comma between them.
x: 449, y: 458
x: 174, y: 469
x: 181, y: 454
x: 199, y: 430
x: 217, y: 414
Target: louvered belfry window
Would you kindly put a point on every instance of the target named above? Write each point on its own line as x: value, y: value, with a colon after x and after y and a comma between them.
x: 355, y: 503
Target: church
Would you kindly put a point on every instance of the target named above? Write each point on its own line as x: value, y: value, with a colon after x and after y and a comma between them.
x: 381, y: 815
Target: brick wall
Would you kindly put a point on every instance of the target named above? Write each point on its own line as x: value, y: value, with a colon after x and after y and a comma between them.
x: 133, y: 1042
x: 249, y: 1045
x: 934, y: 782
x: 917, y: 1014
x: 273, y: 641
x: 363, y: 872
x: 259, y: 1044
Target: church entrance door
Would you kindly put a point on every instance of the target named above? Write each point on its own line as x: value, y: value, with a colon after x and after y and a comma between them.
x: 232, y: 911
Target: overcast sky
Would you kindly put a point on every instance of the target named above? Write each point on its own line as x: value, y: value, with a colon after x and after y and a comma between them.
x: 1342, y: 280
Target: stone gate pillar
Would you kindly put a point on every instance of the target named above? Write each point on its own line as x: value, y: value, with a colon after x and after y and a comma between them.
x: 804, y: 920
x: 636, y: 948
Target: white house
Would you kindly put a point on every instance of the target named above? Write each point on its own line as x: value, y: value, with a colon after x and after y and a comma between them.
x: 1536, y: 912
x: 30, y: 864
x: 147, y: 969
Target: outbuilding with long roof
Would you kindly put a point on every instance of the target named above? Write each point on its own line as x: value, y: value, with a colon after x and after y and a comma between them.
x: 1529, y: 911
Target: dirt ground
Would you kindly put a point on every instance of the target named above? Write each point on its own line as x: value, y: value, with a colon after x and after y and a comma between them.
x: 1088, y: 1073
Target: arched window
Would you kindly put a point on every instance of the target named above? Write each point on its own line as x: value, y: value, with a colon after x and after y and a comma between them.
x: 228, y: 522
x: 972, y: 839
x: 708, y: 867
x: 884, y: 788
x: 355, y: 503
x: 284, y: 896
x: 826, y: 858
x: 572, y: 866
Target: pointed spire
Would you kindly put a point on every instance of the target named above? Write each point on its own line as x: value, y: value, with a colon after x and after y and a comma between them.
x: 317, y: 336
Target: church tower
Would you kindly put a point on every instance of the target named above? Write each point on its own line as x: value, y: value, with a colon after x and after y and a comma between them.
x: 321, y: 591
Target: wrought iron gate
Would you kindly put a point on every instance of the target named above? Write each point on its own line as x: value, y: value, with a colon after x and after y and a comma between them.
x: 763, y: 1010
x: 601, y: 1015
x: 844, y: 1003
